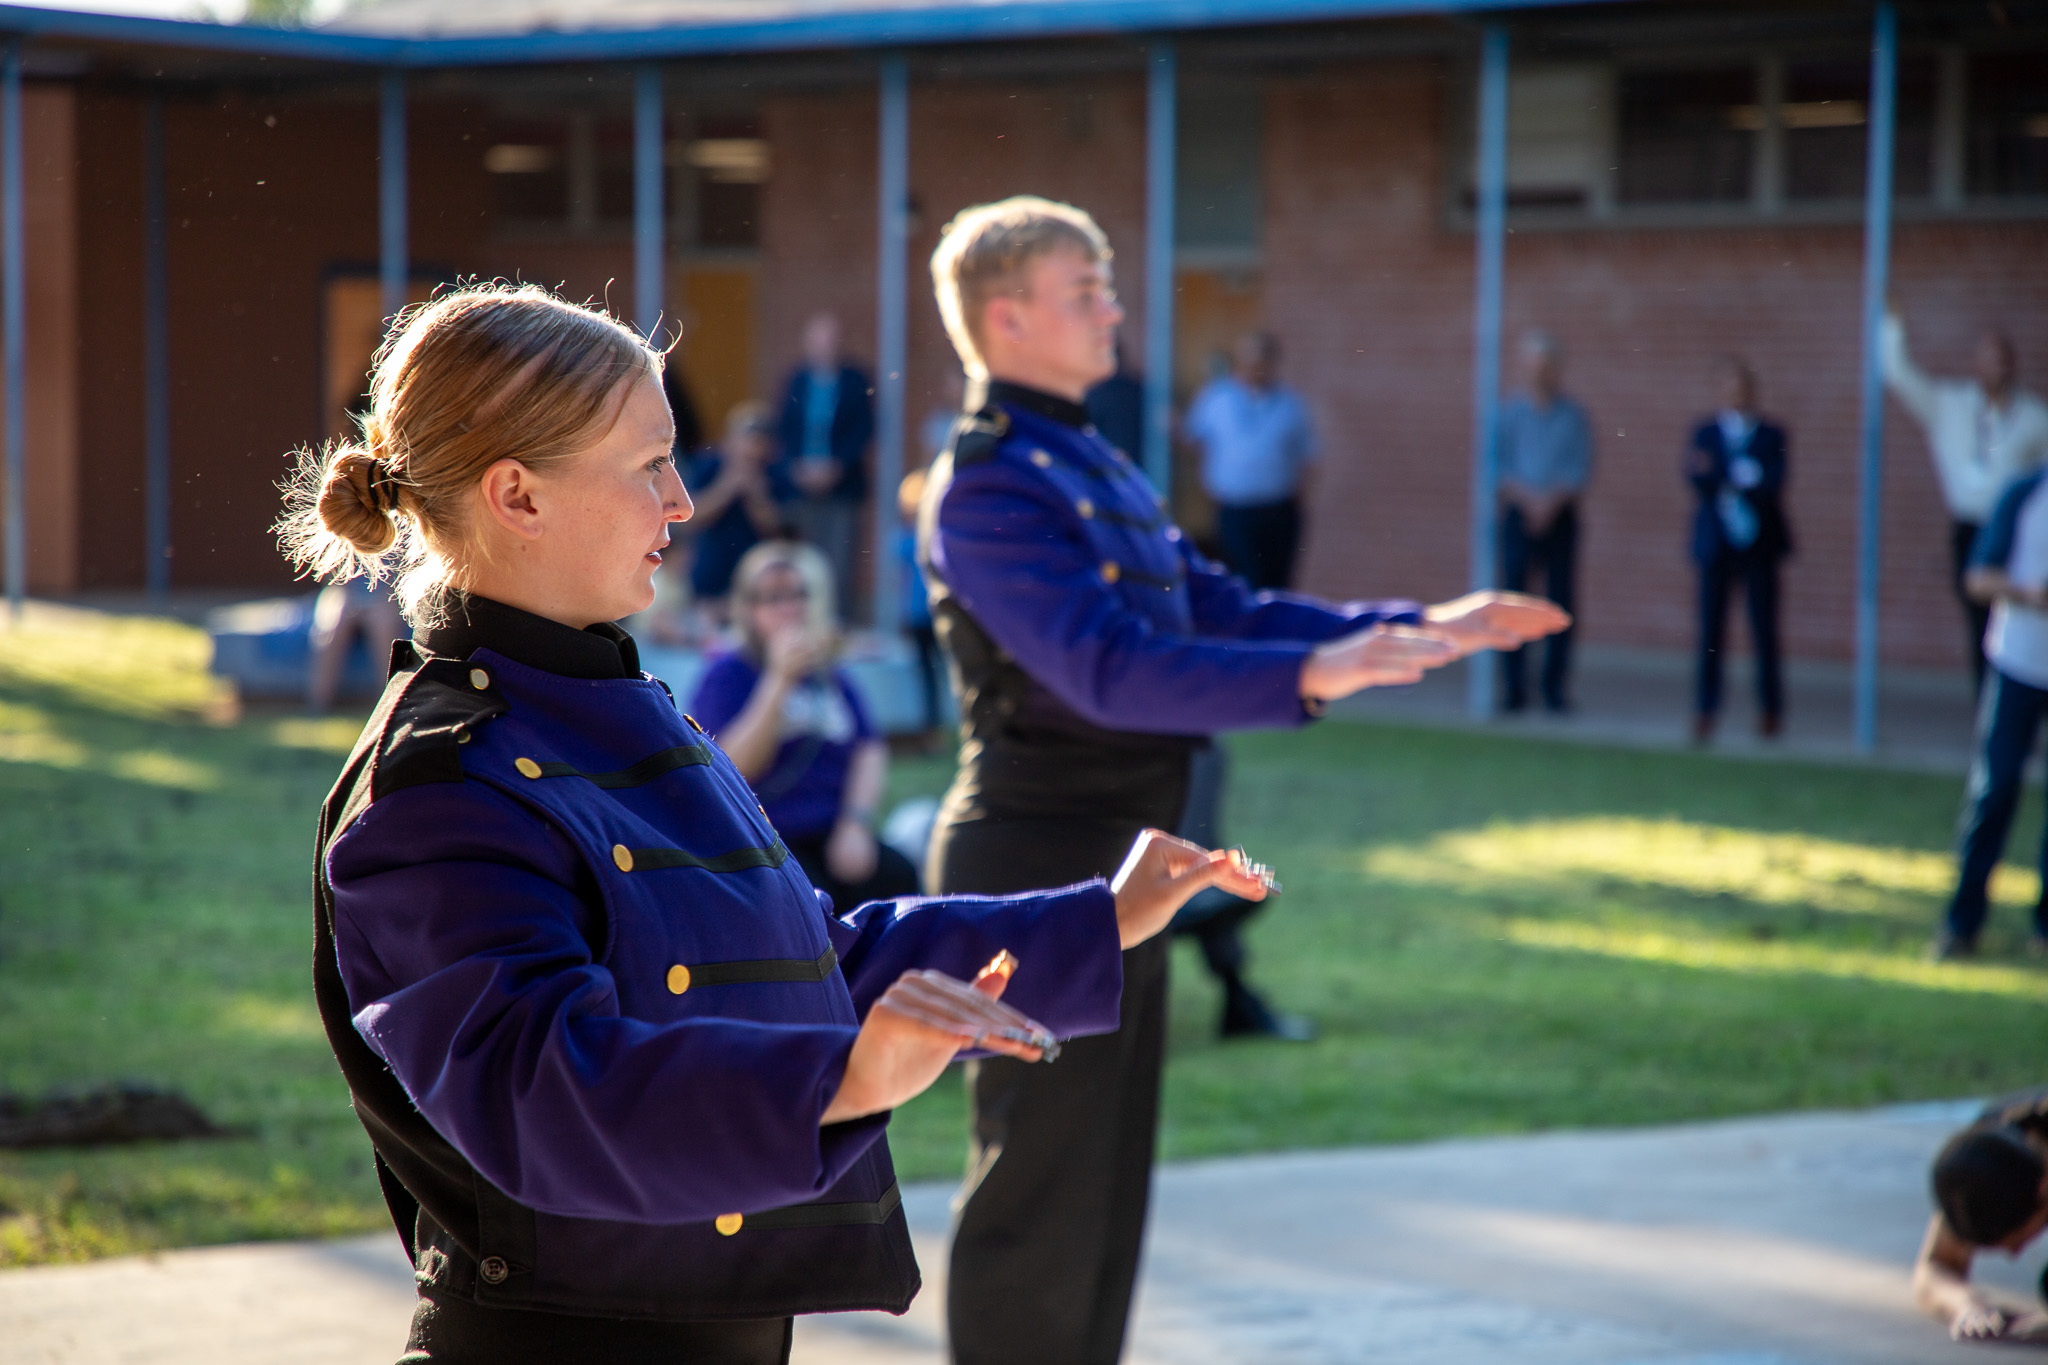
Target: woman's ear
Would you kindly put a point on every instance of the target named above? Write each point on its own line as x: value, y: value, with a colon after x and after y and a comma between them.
x: 507, y: 494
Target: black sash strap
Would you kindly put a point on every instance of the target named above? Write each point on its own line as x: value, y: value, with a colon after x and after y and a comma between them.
x: 739, y: 860
x: 828, y: 1215
x: 765, y: 969
x: 641, y: 773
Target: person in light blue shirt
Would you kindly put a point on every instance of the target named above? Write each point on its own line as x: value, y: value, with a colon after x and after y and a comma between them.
x: 1546, y: 457
x: 1258, y: 453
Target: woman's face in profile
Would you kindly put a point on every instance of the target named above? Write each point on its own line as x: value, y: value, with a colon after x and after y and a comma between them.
x: 609, y: 511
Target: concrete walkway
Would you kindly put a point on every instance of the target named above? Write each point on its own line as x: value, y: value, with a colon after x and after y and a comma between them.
x: 1774, y: 1241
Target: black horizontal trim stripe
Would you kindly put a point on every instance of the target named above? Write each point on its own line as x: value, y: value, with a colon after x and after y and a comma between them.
x: 1147, y: 580
x: 828, y: 1215
x: 765, y: 969
x: 1116, y: 518
x: 739, y: 860
x: 641, y: 773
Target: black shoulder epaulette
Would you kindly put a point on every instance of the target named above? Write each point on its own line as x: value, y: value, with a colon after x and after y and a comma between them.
x: 976, y: 436
x: 435, y: 714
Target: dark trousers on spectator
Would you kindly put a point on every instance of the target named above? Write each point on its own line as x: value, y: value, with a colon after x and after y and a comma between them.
x: 931, y: 670
x: 2008, y: 714
x: 1551, y: 556
x: 1962, y: 537
x: 1260, y: 540
x: 1758, y: 575
x: 894, y: 875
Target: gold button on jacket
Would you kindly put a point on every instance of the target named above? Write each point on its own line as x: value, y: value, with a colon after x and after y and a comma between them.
x: 728, y: 1223
x: 479, y: 679
x: 527, y: 767
x: 678, y: 979
x: 623, y: 856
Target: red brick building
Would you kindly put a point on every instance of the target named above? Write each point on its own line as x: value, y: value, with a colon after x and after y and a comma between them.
x: 1683, y: 180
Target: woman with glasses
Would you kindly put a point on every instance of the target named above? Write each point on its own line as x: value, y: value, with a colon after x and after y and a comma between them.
x: 795, y: 726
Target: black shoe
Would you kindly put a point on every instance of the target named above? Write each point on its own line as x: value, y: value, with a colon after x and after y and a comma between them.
x: 1948, y: 947
x: 1245, y: 1015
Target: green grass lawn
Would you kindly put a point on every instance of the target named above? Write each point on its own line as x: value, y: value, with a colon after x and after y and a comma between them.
x: 1494, y: 935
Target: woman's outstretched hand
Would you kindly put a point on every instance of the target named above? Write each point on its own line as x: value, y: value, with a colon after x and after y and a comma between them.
x: 1163, y: 873
x: 917, y: 1027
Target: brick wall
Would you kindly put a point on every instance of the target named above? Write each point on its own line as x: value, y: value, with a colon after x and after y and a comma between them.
x: 1373, y: 296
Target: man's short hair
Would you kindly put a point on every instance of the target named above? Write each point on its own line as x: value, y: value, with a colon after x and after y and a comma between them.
x: 986, y: 249
x: 1988, y: 1183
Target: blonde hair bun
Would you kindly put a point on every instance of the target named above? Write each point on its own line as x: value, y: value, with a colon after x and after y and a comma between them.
x: 352, y: 507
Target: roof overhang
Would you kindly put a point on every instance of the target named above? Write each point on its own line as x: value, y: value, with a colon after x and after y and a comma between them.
x: 875, y: 26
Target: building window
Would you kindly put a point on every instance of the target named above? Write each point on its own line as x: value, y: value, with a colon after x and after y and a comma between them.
x: 1825, y: 115
x: 2007, y: 137
x: 1559, y: 119
x: 1219, y: 177
x: 1686, y: 137
x: 728, y: 162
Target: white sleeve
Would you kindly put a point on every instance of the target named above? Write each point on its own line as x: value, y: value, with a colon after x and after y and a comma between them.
x: 1919, y: 393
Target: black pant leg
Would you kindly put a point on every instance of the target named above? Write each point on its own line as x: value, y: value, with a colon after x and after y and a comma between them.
x: 2008, y: 714
x: 1560, y: 564
x: 1045, y: 1253
x: 894, y: 875
x: 1760, y: 588
x: 1282, y: 544
x: 1962, y: 538
x: 1514, y: 575
x: 1713, y: 625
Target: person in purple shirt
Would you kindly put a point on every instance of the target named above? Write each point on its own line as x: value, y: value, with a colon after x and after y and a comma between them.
x: 625, y: 1072
x: 796, y: 728
x: 1093, y: 651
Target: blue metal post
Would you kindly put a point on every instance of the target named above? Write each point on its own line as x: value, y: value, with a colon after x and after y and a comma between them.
x: 650, y: 229
x: 13, y: 330
x: 1877, y: 233
x: 1162, y: 127
x: 156, y: 355
x: 1489, y: 231
x: 892, y: 238
x: 391, y: 187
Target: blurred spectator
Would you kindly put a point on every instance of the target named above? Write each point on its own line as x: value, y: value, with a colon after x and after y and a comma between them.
x: 1546, y: 457
x: 343, y: 613
x: 1736, y: 465
x: 1991, y: 1192
x: 797, y: 730
x: 917, y: 607
x: 937, y: 428
x: 1214, y: 918
x: 1983, y: 432
x: 1258, y: 454
x: 1117, y: 408
x: 739, y: 494
x: 827, y: 423
x: 681, y: 407
x: 2008, y: 572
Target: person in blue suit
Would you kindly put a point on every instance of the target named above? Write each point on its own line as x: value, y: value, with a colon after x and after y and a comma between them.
x: 625, y: 1072
x: 1740, y: 536
x: 1092, y: 651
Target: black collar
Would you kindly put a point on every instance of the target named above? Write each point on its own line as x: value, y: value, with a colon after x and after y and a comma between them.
x: 1038, y: 401
x: 467, y: 623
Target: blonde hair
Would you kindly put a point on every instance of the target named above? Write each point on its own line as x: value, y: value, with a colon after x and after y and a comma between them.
x: 481, y: 374
x: 807, y: 563
x: 986, y: 249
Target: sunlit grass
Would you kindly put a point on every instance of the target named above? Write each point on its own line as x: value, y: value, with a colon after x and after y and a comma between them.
x: 1493, y: 936
x: 1726, y: 953
x: 1537, y: 858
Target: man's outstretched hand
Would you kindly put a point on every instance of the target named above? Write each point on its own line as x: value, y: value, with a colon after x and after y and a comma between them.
x: 1378, y: 656
x: 1163, y: 873
x: 1495, y: 620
